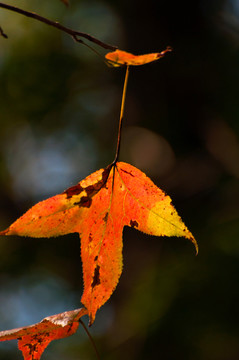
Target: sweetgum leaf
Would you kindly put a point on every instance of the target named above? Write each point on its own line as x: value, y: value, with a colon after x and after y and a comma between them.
x: 98, y: 208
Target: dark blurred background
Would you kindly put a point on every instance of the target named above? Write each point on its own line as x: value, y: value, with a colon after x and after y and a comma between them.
x: 59, y: 110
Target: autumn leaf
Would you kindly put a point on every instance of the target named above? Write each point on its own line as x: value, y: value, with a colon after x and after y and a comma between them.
x: 33, y: 339
x: 120, y: 58
x: 98, y: 208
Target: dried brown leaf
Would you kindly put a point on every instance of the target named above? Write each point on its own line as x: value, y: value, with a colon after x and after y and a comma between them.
x: 33, y: 339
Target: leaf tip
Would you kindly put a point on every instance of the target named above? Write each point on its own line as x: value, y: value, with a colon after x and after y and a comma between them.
x: 195, y: 244
x: 4, y: 232
x: 91, y: 320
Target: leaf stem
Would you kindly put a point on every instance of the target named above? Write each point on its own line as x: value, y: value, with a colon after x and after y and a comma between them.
x: 75, y: 34
x: 91, y: 339
x: 121, y: 115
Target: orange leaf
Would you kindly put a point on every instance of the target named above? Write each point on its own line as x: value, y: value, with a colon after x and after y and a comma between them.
x: 33, y: 339
x: 120, y: 58
x: 98, y: 208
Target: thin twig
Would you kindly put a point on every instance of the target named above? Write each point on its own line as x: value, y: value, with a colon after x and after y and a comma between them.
x: 2, y: 33
x: 91, y: 339
x: 75, y: 34
x: 121, y: 114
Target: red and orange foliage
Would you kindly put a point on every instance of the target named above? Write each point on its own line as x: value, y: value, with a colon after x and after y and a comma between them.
x: 98, y: 208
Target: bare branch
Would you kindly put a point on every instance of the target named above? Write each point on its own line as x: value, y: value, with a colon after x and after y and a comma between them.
x: 2, y: 33
x: 75, y: 34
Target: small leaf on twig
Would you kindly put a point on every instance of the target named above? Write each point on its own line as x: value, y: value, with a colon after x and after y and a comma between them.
x: 120, y: 58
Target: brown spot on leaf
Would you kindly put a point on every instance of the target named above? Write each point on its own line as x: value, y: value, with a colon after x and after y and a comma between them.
x: 96, y: 278
x: 85, y: 201
x: 105, y: 218
x: 127, y: 172
x: 74, y: 190
x: 134, y: 224
x: 94, y: 188
x: 90, y: 190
